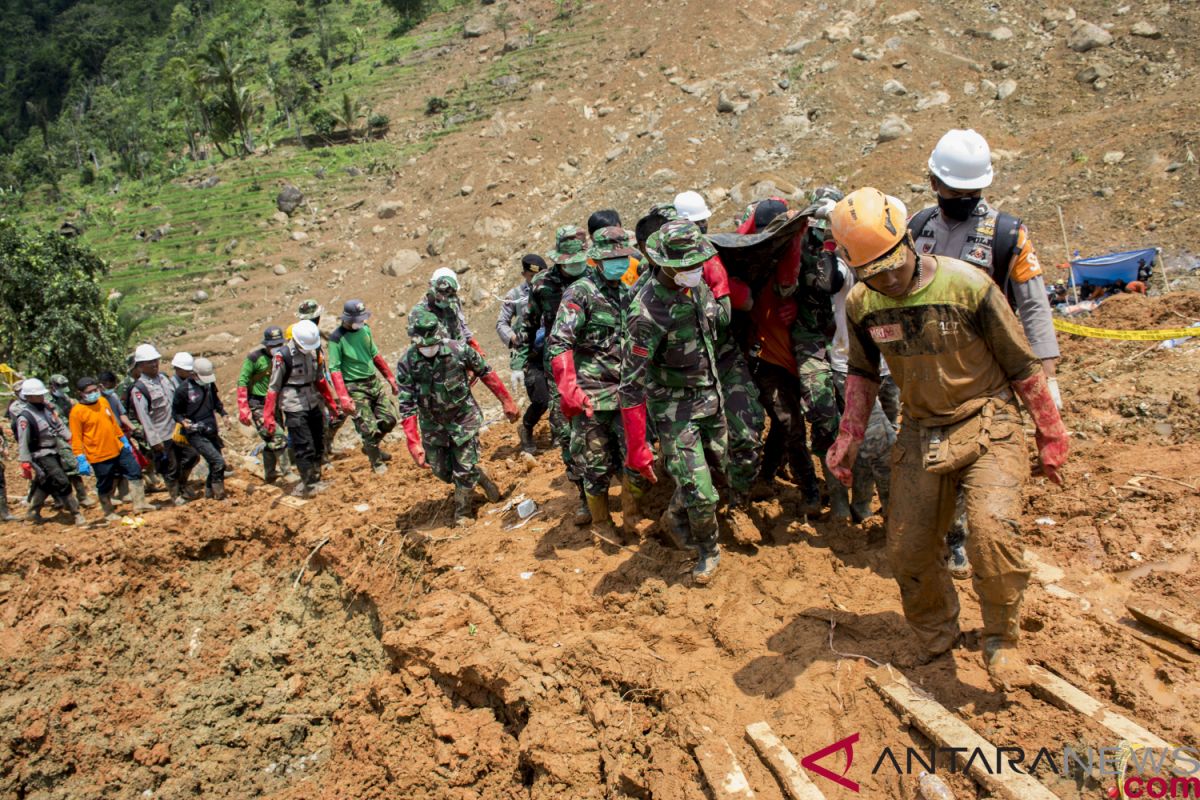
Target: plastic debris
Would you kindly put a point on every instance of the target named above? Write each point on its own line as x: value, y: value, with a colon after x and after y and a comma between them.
x: 1135, y: 555
x: 933, y: 787
x: 362, y: 508
x: 526, y: 508
x: 526, y: 576
x: 1044, y: 521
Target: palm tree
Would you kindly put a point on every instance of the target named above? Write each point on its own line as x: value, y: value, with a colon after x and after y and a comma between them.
x: 226, y: 75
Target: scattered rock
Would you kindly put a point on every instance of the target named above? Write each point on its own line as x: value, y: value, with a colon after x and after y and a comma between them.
x: 236, y: 280
x: 724, y: 104
x: 1114, y: 157
x: 299, y: 236
x: 494, y: 227
x: 479, y: 25
x: 895, y: 88
x: 402, y: 263
x: 438, y: 239
x: 1145, y: 30
x: 987, y: 88
x: 279, y: 269
x: 479, y: 295
x: 152, y: 756
x: 507, y: 81
x: 938, y: 98
x: 1088, y: 36
x: 892, y: 128
x: 199, y: 296
x: 614, y: 154
x: 1000, y: 34
x: 461, y: 266
x: 280, y: 217
x: 289, y: 199
x: 904, y: 18
x: 1093, y: 73
x: 466, y: 189
x: 1001, y: 64
x: 209, y: 182
x: 866, y: 55
x: 836, y: 33
x: 388, y: 209
x: 797, y: 47
x: 1006, y: 89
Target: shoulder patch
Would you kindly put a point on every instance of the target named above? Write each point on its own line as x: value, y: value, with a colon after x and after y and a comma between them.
x: 886, y: 333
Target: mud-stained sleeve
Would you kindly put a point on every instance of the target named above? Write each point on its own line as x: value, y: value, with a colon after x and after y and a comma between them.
x: 407, y: 397
x: 278, y: 368
x: 642, y: 339
x: 1004, y: 336
x: 571, y: 314
x: 475, y: 362
x: 504, y: 325
x: 863, y: 357
x: 24, y: 452
x: 141, y: 407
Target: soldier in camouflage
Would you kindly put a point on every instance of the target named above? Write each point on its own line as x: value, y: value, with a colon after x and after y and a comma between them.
x: 669, y: 374
x: 568, y: 262
x: 443, y: 302
x: 253, y: 382
x: 354, y: 359
x: 438, y: 411
x: 585, y: 355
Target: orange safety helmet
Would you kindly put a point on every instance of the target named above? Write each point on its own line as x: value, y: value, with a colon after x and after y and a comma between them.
x: 867, y: 225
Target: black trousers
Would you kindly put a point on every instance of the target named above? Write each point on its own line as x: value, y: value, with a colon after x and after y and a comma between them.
x: 539, y: 394
x: 208, y: 445
x: 779, y: 391
x: 306, y: 429
x: 50, y: 477
x: 175, y: 462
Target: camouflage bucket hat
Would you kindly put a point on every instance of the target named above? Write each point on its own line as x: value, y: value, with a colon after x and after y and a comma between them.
x: 679, y: 245
x: 665, y: 210
x: 310, y: 309
x: 570, y: 246
x: 426, y: 328
x: 611, y: 242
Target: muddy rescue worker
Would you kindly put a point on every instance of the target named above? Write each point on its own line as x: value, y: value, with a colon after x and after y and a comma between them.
x: 152, y: 397
x: 297, y: 386
x: 99, y: 442
x: 443, y: 302
x: 354, y: 359
x: 530, y: 373
x: 196, y: 406
x: 958, y: 354
x: 252, y: 387
x: 38, y: 431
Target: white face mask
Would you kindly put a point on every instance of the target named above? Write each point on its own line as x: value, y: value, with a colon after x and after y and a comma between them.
x: 690, y: 279
x: 430, y: 351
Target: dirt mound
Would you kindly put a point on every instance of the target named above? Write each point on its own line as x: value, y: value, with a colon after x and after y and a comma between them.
x: 1140, y: 312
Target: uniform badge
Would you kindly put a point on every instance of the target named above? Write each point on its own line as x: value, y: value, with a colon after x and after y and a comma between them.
x: 886, y: 333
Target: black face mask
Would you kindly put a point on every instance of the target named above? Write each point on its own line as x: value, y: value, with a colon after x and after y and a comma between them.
x: 958, y: 208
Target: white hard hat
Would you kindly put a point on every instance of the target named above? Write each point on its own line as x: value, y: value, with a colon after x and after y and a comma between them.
x: 32, y: 387
x: 183, y: 361
x: 306, y: 335
x: 691, y: 205
x: 204, y: 371
x: 962, y: 160
x: 444, y: 272
x: 145, y: 352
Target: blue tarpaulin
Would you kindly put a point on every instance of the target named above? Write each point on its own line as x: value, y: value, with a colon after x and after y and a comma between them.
x: 1105, y: 270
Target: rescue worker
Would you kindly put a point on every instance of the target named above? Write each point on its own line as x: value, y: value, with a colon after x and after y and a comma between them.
x: 60, y: 402
x: 195, y: 407
x: 568, y: 262
x: 183, y: 364
x: 253, y: 383
x: 690, y: 205
x: 137, y: 437
x: 38, y: 431
x: 669, y: 375
x: 353, y: 361
x: 99, y: 443
x: 297, y: 387
x: 5, y: 514
x: 958, y: 354
x: 311, y: 311
x: 438, y: 411
x: 531, y: 372
x: 964, y: 226
x: 443, y: 301
x: 584, y: 349
x: 108, y: 390
x: 60, y: 396
x: 152, y: 397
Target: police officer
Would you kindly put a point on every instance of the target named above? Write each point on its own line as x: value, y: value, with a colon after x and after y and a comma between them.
x: 152, y: 397
x: 253, y: 383
x: 38, y: 431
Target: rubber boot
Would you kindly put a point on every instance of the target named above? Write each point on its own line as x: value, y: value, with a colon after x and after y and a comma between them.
x: 463, y: 515
x: 601, y: 519
x: 5, y: 514
x: 490, y: 490
x: 270, y: 461
x: 709, y: 552
x: 862, y: 493
x: 177, y: 499
x: 583, y: 514
x: 123, y: 490
x: 81, y: 493
x: 739, y: 521
x: 384, y: 455
x: 1006, y: 665
x: 110, y: 513
x: 80, y: 519
x: 287, y: 465
x: 36, y: 500
x: 218, y: 490
x: 839, y: 498
x: 631, y: 508
x: 957, y: 562
x: 371, y: 450
x: 153, y: 481
x: 528, y: 444
x: 675, y: 526
x: 137, y: 495
x: 805, y: 477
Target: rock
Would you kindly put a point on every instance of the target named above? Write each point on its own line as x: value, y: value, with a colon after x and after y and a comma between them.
x: 1087, y: 36
x: 1114, y: 157
x: 1000, y: 64
x: 614, y: 154
x: 402, y: 263
x: 209, y: 182
x: 236, y: 280
x: 904, y: 18
x: 461, y: 266
x: 697, y: 88
x: 724, y: 104
x: 231, y: 245
x: 299, y: 236
x: 438, y: 239
x: 289, y: 199
x: 507, y: 81
x: 466, y: 189
x: 892, y: 128
x: 279, y: 269
x: 199, y: 296
x: 987, y: 88
x: 152, y: 756
x: 479, y: 25
x: 938, y: 98
x: 1093, y: 73
x: 1145, y: 30
x: 280, y: 217
x: 479, y: 295
x: 836, y: 33
x: 797, y: 47
x: 388, y: 209
x: 894, y: 88
x: 1006, y: 89
x: 494, y: 227
x: 1000, y: 34
x: 866, y: 55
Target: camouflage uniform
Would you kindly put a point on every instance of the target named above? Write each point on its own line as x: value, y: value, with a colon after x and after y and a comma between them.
x: 812, y: 336
x: 669, y: 362
x: 355, y: 367
x: 745, y: 417
x: 450, y: 315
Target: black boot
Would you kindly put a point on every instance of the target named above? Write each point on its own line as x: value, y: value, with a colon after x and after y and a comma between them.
x: 5, y: 514
x: 463, y: 515
x: 36, y: 500
x: 81, y: 493
x: 583, y: 514
x: 270, y: 461
x: 371, y: 450
x: 490, y: 490
x: 218, y: 490
x: 528, y: 445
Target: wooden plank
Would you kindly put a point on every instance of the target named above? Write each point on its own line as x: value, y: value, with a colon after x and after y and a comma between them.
x: 792, y: 778
x: 947, y: 730
x: 1058, y: 692
x: 721, y: 770
x: 1169, y: 623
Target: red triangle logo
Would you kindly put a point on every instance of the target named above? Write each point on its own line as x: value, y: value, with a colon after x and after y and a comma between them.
x: 809, y: 762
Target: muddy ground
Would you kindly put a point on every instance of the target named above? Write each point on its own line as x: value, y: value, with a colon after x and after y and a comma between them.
x: 356, y: 646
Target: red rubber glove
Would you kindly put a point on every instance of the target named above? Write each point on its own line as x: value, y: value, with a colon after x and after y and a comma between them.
x: 413, y: 437
x: 571, y: 398
x: 27, y: 470
x: 860, y: 399
x: 269, y: 413
x: 740, y: 298
x: 386, y: 371
x: 638, y: 455
x: 493, y: 382
x: 788, y: 311
x: 475, y: 346
x: 716, y: 277
x: 343, y: 396
x: 327, y: 394
x: 1051, y: 434
x: 243, y: 404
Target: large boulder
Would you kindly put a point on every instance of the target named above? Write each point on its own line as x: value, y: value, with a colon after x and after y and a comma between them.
x: 479, y: 25
x: 289, y: 199
x: 402, y: 263
x: 1088, y: 36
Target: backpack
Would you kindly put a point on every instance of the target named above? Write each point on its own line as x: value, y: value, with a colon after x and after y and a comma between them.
x: 1004, y: 245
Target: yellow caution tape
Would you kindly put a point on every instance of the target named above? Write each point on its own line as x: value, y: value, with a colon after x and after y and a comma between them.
x: 1135, y: 336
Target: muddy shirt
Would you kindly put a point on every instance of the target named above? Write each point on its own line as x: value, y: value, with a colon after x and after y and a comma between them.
x: 294, y: 376
x: 951, y: 344
x: 589, y: 324
x: 438, y: 391
x: 152, y: 399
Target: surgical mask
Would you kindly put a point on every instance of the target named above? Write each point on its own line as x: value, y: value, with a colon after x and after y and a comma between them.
x: 690, y: 279
x: 357, y: 326
x: 91, y: 397
x: 574, y: 270
x: 613, y: 268
x: 958, y: 208
x: 429, y: 351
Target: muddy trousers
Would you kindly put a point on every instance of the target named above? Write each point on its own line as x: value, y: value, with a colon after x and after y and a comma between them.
x: 209, y: 445
x: 691, y: 448
x: 539, y: 395
x: 306, y: 429
x: 454, y: 463
x: 788, y: 436
x: 560, y: 432
x: 744, y: 422
x: 920, y: 515
x: 598, y: 447
x: 174, y: 462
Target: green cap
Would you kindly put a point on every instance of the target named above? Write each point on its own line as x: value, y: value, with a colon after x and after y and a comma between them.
x: 570, y: 246
x: 611, y: 242
x: 679, y: 245
x: 426, y: 327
